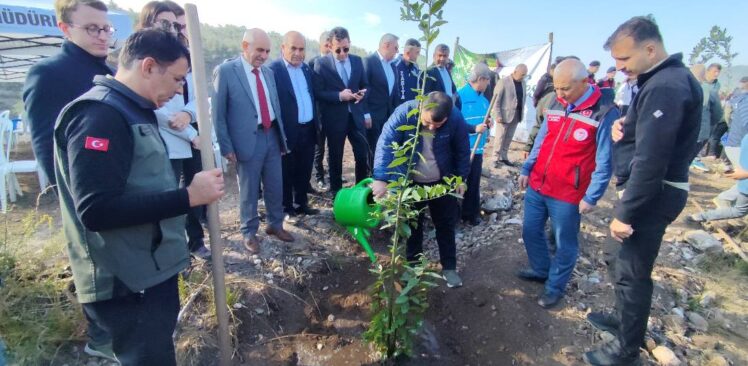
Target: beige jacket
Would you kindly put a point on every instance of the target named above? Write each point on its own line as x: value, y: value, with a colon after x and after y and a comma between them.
x: 506, y: 99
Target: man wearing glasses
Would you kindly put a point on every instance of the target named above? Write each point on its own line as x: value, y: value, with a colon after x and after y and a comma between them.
x: 340, y: 88
x: 56, y: 81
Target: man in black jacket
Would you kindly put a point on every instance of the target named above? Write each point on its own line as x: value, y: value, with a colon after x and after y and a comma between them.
x: 55, y: 82
x: 653, y: 148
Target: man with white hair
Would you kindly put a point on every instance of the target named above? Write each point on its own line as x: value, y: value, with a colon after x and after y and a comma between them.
x: 510, y: 96
x: 474, y: 108
x: 380, y: 72
x: 566, y: 173
x: 249, y: 128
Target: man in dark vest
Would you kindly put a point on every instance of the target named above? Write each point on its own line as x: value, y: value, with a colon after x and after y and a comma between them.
x: 653, y: 149
x: 566, y: 173
x: 56, y: 81
x: 122, y: 211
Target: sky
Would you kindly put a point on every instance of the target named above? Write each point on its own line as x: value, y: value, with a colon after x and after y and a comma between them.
x: 579, y: 27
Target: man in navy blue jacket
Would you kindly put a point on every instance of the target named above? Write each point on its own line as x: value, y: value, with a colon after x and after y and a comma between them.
x: 293, y: 78
x: 446, y: 152
x: 57, y: 81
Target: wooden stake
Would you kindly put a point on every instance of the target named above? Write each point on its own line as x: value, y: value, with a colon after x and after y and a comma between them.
x: 724, y: 235
x: 205, y: 125
x: 480, y: 134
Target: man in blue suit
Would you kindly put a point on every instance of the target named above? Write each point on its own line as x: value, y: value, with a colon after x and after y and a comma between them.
x: 293, y: 78
x: 249, y: 128
x: 438, y: 77
x: 340, y: 87
x: 381, y: 74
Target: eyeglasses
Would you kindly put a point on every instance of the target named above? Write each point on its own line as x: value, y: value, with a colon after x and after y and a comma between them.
x: 94, y: 30
x: 343, y: 50
x: 168, y: 26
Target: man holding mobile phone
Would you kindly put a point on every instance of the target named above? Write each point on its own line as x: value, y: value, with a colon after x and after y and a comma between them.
x: 340, y: 88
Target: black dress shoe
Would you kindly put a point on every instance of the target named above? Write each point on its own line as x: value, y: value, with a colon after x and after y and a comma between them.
x: 306, y: 210
x: 528, y: 274
x: 605, y: 322
x: 507, y: 163
x: 610, y: 354
x: 472, y: 221
x: 549, y: 300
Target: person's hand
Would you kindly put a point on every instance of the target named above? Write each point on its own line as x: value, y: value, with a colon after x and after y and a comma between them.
x: 460, y: 189
x: 346, y: 95
x: 359, y: 95
x: 379, y: 188
x: 367, y: 123
x: 230, y: 157
x: 617, y: 131
x: 585, y: 207
x: 620, y: 231
x: 206, y: 187
x: 523, y: 180
x: 180, y: 121
x: 480, y: 128
x: 196, y: 143
x: 737, y: 173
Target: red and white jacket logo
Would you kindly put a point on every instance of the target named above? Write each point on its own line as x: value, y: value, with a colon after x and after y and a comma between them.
x: 97, y: 143
x: 587, y: 113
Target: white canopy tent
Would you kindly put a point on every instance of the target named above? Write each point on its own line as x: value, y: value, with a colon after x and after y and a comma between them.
x: 29, y: 33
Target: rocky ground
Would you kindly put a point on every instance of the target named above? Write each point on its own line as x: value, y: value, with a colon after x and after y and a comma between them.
x: 306, y: 303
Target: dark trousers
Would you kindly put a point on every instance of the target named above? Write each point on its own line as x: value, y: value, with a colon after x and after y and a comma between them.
x: 184, y: 171
x: 444, y: 214
x: 471, y: 201
x: 97, y: 336
x: 632, y: 265
x: 336, y: 147
x: 319, y: 156
x: 297, y: 168
x: 141, y: 324
x: 715, y: 146
x: 372, y: 136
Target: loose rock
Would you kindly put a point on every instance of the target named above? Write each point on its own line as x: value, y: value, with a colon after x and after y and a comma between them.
x: 665, y: 356
x: 704, y: 241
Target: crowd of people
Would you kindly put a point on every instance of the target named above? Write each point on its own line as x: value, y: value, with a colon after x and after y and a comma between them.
x: 123, y: 148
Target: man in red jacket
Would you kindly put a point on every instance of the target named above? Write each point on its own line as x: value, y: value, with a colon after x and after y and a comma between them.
x: 575, y: 137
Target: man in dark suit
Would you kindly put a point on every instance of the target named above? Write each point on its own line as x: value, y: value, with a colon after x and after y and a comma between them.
x: 319, y: 150
x: 249, y: 128
x: 380, y: 72
x: 293, y: 78
x: 438, y: 77
x: 340, y: 87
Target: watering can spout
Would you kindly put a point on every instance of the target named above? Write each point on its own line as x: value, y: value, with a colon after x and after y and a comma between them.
x: 361, y: 236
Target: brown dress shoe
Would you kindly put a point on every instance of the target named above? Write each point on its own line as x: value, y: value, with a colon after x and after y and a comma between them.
x: 280, y: 234
x: 252, y: 244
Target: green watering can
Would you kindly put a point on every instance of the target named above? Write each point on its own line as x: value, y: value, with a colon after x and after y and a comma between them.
x: 353, y: 208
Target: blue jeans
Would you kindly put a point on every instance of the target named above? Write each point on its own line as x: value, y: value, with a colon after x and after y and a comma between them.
x: 565, y: 220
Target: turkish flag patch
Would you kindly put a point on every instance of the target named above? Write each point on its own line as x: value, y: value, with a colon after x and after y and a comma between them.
x: 97, y: 143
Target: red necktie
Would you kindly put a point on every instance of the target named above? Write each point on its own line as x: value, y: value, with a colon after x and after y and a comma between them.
x: 264, y: 111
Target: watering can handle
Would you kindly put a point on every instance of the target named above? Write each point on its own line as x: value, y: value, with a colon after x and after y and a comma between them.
x: 365, y: 182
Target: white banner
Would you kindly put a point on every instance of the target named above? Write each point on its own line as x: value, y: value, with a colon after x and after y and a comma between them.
x: 537, y: 59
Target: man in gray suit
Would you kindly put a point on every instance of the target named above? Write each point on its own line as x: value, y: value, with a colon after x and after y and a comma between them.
x: 248, y: 124
x: 507, y: 111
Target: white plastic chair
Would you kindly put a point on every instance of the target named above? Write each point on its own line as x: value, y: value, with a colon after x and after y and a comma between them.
x: 9, y: 186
